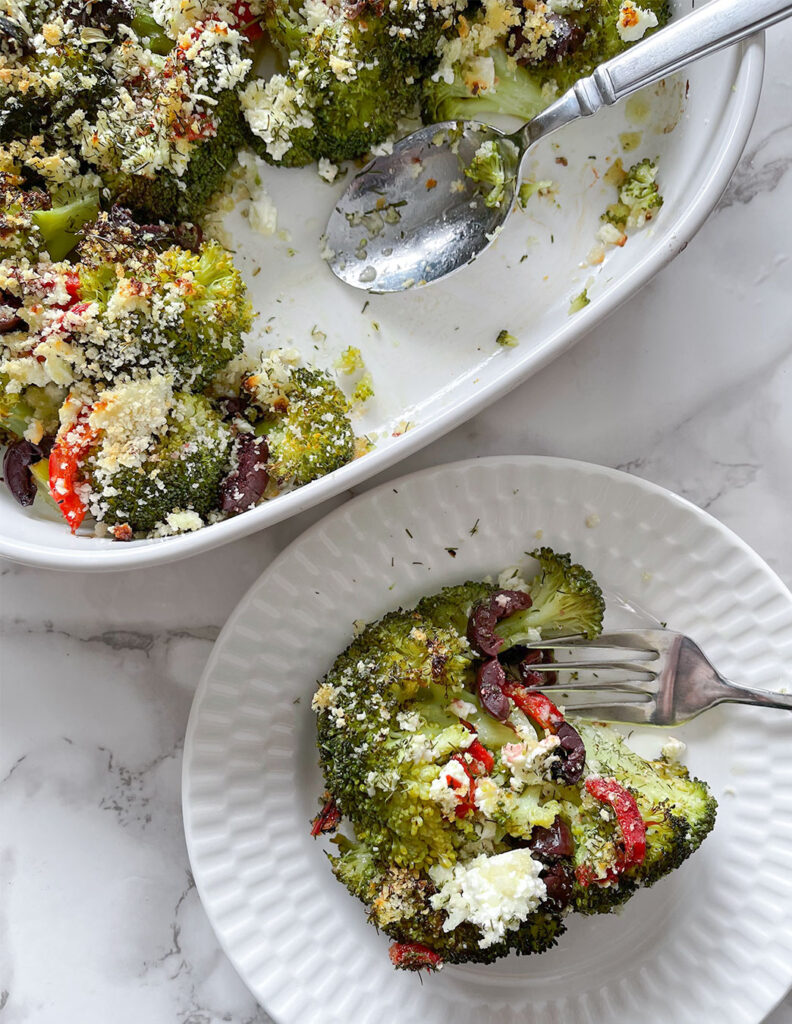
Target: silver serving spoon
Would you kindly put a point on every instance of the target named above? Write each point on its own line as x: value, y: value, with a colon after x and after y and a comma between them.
x: 413, y: 216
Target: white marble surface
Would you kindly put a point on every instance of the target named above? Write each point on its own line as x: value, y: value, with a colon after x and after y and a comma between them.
x: 99, y: 920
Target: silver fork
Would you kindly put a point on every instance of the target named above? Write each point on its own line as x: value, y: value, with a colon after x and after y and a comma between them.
x: 668, y: 679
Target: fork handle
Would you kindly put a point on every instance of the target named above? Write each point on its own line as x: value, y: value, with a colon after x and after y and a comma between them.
x: 733, y: 693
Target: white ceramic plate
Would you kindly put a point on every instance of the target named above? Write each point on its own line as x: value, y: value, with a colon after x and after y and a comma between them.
x: 433, y: 354
x: 712, y: 940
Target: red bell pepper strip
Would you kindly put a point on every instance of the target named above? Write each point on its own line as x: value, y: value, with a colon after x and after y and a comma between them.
x: 65, y: 459
x: 535, y: 705
x: 631, y: 824
x: 468, y: 802
x: 246, y: 21
x: 327, y: 819
x: 72, y: 284
x: 482, y: 760
x: 413, y: 956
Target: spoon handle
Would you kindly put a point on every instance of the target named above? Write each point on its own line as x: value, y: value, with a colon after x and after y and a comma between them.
x: 711, y: 27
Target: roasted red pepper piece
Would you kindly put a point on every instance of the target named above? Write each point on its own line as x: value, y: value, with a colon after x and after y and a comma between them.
x: 65, y: 459
x: 246, y: 21
x: 327, y: 819
x: 483, y: 761
x: 538, y: 707
x: 631, y: 824
x: 468, y: 802
x: 412, y: 956
x: 72, y: 285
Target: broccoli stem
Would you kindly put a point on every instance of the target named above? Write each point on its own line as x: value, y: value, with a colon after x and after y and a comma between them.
x: 59, y: 225
x: 151, y: 35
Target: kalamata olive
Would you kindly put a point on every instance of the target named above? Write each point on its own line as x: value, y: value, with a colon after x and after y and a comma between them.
x: 120, y: 226
x: 18, y: 458
x: 235, y: 406
x: 559, y: 881
x: 13, y: 38
x: 9, y: 321
x: 354, y: 8
x: 487, y: 614
x: 552, y: 842
x: 531, y: 677
x: 572, y: 753
x: 45, y: 446
x: 490, y: 679
x: 565, y: 38
x: 245, y: 485
x: 107, y: 14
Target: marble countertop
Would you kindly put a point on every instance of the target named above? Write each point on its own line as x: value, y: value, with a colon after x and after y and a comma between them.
x: 687, y: 386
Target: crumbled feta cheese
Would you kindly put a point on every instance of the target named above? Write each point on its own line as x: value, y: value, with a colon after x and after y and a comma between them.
x: 673, y: 749
x: 420, y: 749
x: 634, y: 21
x: 487, y: 796
x: 451, y: 786
x: 385, y: 781
x: 274, y: 109
x: 324, y: 697
x: 494, y: 893
x: 327, y: 169
x: 183, y: 522
x: 129, y: 416
x: 512, y: 579
x: 410, y: 721
x: 462, y: 708
x: 528, y: 762
x: 263, y: 215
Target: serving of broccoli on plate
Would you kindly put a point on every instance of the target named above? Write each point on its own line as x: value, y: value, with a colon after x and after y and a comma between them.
x: 477, y: 817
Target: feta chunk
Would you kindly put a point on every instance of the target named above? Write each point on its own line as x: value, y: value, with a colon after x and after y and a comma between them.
x: 673, y: 749
x: 634, y: 21
x: 494, y: 893
x: 450, y: 787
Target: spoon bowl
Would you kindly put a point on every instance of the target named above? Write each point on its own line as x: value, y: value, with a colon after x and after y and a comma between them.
x: 413, y: 216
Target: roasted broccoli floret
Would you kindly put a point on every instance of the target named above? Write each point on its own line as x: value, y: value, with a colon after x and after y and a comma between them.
x: 168, y: 196
x: 566, y: 600
x: 31, y: 412
x: 459, y: 95
x: 679, y: 812
x: 369, y: 771
x: 178, y: 311
x: 451, y: 607
x: 179, y: 474
x: 494, y: 167
x: 304, y: 418
x: 639, y: 198
x: 399, y: 902
x: 156, y: 115
x: 515, y: 59
x: 348, y: 79
x: 34, y: 223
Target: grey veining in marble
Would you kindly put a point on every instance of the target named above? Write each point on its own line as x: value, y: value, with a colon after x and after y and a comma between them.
x: 100, y: 922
